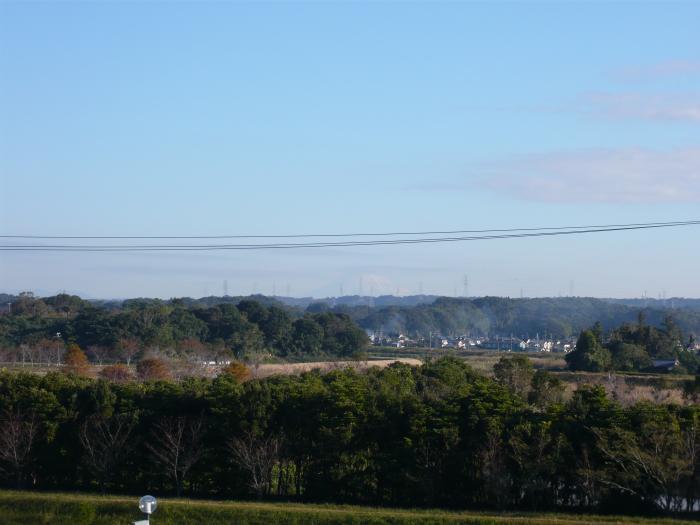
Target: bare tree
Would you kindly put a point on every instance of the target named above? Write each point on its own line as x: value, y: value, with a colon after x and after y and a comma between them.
x: 8, y: 355
x: 255, y: 359
x: 105, y: 441
x: 691, y: 453
x: 98, y: 353
x: 43, y: 351
x: 50, y: 351
x: 18, y: 433
x: 493, y: 472
x: 587, y: 479
x: 654, y: 455
x: 257, y: 456
x: 128, y: 348
x: 33, y: 354
x: 177, y: 446
x: 26, y: 354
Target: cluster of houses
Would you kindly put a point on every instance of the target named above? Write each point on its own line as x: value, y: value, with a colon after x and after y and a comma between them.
x: 503, y: 344
x: 497, y: 343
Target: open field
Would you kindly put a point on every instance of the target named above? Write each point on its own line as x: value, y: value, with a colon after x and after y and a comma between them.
x: 259, y: 371
x: 480, y: 360
x: 81, y: 509
x: 266, y: 370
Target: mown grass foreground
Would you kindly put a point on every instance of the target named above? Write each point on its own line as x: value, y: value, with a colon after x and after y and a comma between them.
x: 80, y: 509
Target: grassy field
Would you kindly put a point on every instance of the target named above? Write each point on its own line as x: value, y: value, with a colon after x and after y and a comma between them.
x: 74, y: 509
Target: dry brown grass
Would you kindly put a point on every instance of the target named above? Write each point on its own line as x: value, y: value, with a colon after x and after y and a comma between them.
x: 628, y: 390
x: 484, y: 361
x: 267, y: 370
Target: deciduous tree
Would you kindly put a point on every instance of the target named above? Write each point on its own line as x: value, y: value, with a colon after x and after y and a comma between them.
x: 176, y: 444
x: 75, y: 361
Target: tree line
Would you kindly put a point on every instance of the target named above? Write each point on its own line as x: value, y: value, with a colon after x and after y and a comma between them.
x: 560, y: 317
x: 440, y: 435
x: 38, y: 330
x: 635, y: 347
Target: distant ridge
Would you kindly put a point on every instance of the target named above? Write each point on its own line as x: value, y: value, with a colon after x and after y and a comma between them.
x: 372, y: 301
x: 418, y: 315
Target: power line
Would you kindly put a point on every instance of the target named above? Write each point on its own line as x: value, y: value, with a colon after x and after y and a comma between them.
x: 363, y: 234
x: 326, y: 244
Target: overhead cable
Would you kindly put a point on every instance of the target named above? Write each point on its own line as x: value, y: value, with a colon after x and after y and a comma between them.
x: 337, y: 244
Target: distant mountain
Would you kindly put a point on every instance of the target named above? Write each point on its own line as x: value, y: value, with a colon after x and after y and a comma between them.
x: 189, y: 302
x: 7, y: 298
x: 558, y: 317
x: 361, y: 300
x: 419, y: 315
x: 672, y: 302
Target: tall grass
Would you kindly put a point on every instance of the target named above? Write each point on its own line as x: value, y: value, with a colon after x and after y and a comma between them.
x: 26, y: 508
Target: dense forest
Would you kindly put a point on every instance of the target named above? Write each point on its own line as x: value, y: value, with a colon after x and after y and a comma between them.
x: 559, y: 317
x: 37, y: 328
x: 436, y: 435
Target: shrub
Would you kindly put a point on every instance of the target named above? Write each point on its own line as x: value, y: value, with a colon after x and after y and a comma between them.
x: 116, y: 373
x: 153, y: 369
x: 237, y: 370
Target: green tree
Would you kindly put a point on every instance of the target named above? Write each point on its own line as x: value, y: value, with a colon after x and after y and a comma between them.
x: 589, y: 355
x: 515, y: 373
x: 307, y: 337
x: 546, y: 390
x: 627, y: 356
x: 341, y: 336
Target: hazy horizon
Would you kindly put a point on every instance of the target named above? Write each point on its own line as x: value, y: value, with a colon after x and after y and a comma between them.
x: 40, y: 293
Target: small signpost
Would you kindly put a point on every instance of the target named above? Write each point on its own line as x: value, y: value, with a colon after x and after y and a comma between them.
x: 148, y: 505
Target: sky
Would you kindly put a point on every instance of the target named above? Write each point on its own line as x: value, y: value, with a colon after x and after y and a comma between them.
x: 232, y: 118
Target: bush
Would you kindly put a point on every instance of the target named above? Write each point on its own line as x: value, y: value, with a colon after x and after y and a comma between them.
x: 237, y: 370
x: 116, y: 373
x: 153, y: 369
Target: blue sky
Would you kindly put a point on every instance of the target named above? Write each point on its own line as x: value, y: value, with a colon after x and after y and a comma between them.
x: 274, y: 118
